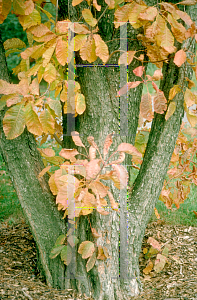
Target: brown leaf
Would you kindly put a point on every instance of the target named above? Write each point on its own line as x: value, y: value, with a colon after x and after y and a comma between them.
x: 160, y: 102
x: 76, y: 139
x: 146, y: 107
x: 107, y: 144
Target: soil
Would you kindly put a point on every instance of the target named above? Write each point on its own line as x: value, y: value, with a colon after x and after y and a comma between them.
x: 20, y: 279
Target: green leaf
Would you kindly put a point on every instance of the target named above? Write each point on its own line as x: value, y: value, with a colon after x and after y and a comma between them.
x: 14, y: 121
x: 60, y: 240
x: 66, y: 255
x: 55, y: 251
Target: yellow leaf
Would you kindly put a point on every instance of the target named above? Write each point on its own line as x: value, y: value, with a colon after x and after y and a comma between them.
x: 5, y: 7
x: 170, y: 110
x: 88, y: 51
x: 122, y: 13
x: 76, y: 2
x: 134, y: 13
x: 173, y: 91
x: 80, y: 103
x: 88, y: 17
x: 32, y: 121
x: 77, y: 42
x: 33, y: 19
x: 19, y: 7
x: 55, y: 106
x: 164, y: 37
x: 14, y: 121
x: 177, y: 28
x: 48, y: 54
x: 50, y: 73
x: 126, y: 58
x: 13, y: 43
x: 61, y: 51
x: 101, y: 48
x: 47, y: 121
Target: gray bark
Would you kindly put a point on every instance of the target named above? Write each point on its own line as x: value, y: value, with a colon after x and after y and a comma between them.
x: 24, y: 163
x: 100, y: 85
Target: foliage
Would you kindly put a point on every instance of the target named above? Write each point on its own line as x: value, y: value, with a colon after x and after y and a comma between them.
x: 48, y: 51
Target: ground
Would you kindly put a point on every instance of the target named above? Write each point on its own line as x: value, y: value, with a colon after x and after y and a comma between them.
x: 20, y: 279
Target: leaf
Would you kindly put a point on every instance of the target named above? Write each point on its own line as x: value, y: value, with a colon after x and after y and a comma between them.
x: 160, y: 102
x: 60, y: 240
x: 56, y: 251
x: 160, y: 263
x: 170, y: 110
x: 91, y: 141
x: 155, y: 244
x: 27, y: 21
x: 80, y: 103
x: 44, y: 171
x: 55, y: 106
x: 91, y: 262
x: 76, y: 2
x: 129, y: 149
x: 61, y: 51
x: 78, y: 42
x: 114, y: 205
x: 86, y: 249
x: 14, y: 121
x: 40, y: 30
x: 188, y: 2
x: 92, y: 168
x: 121, y: 174
x: 149, y: 14
x: 146, y: 107
x: 110, y: 3
x: 107, y: 144
x: 190, y: 98
x: 19, y: 7
x: 88, y: 51
x: 184, y: 16
x: 122, y: 13
x: 32, y: 120
x: 47, y: 121
x: 139, y: 71
x: 95, y: 233
x: 13, y: 43
x: 76, y: 139
x: 68, y: 153
x: 48, y: 54
x: 127, y: 86
x: 66, y: 255
x: 95, y: 4
x: 88, y: 17
x: 72, y: 240
x: 177, y: 28
x: 126, y: 58
x: 148, y: 268
x: 173, y: 91
x: 134, y: 13
x: 50, y: 73
x: 164, y: 37
x: 47, y: 152
x: 68, y: 185
x: 180, y: 57
x: 101, y: 48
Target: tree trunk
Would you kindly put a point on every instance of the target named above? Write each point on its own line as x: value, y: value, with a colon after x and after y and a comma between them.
x: 118, y: 277
x: 24, y: 163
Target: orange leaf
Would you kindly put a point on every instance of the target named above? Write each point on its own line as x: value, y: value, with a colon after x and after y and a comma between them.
x: 155, y: 244
x: 76, y: 139
x: 148, y: 268
x: 126, y: 58
x: 61, y: 51
x: 121, y: 173
x: 128, y: 148
x: 107, y: 144
x: 101, y: 48
x: 146, y: 107
x: 180, y: 57
x: 68, y: 153
x: 160, y: 102
x: 92, y: 168
x: 139, y: 71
